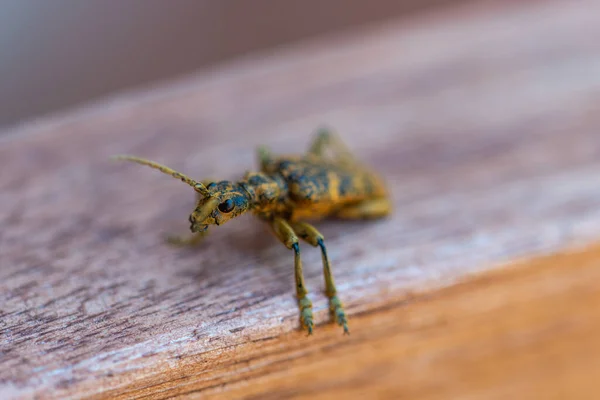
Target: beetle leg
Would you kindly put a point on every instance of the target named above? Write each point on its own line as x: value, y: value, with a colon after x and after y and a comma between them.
x: 311, y: 235
x: 265, y: 159
x: 367, y: 209
x: 196, y: 238
x: 182, y: 241
x: 326, y: 139
x: 286, y: 235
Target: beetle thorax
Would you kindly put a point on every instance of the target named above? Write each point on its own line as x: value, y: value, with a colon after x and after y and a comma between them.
x: 266, y: 191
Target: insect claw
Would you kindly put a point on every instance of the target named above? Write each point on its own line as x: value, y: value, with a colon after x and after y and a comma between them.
x: 310, y: 329
x: 307, y: 321
x: 306, y: 316
x: 343, y: 323
x: 337, y: 311
x: 346, y: 330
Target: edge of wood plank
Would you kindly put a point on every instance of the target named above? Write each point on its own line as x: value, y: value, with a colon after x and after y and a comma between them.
x: 525, y: 330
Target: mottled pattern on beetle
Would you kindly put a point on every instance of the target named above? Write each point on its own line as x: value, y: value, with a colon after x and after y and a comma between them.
x: 268, y: 193
x: 265, y: 189
x: 315, y: 188
x: 318, y: 182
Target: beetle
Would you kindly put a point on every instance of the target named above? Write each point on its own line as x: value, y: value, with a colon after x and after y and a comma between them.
x: 326, y: 181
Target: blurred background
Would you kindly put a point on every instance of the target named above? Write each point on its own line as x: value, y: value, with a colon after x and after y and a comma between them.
x: 62, y: 53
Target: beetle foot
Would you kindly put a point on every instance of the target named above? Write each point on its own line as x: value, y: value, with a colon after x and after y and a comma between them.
x: 181, y: 241
x: 306, y: 315
x: 337, y: 312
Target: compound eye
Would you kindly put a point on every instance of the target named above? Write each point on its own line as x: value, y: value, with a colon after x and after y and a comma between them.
x: 226, y: 206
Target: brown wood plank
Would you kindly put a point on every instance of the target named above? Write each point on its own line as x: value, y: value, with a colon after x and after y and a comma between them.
x: 485, y: 120
x: 472, y: 340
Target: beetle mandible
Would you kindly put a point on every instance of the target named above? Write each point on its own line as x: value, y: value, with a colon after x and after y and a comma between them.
x: 288, y: 191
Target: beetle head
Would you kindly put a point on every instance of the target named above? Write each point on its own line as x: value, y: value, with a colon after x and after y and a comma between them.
x: 225, y: 201
x: 219, y: 201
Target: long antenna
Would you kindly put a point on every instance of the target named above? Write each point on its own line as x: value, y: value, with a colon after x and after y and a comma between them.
x: 198, y: 187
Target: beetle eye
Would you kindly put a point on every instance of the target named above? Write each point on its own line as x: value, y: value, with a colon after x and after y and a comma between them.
x: 226, y: 206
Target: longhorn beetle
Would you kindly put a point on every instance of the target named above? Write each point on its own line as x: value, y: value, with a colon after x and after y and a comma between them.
x: 286, y: 192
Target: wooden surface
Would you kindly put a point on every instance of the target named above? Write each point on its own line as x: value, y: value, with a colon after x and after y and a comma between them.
x: 485, y: 121
x: 471, y: 340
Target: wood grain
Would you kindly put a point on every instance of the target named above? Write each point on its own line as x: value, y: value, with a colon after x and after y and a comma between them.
x: 471, y: 340
x: 484, y: 119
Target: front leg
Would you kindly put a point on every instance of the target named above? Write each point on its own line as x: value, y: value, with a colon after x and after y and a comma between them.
x: 286, y: 235
x: 311, y: 235
x: 195, y: 238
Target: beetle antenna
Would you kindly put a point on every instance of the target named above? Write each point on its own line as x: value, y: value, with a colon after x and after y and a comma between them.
x: 198, y: 187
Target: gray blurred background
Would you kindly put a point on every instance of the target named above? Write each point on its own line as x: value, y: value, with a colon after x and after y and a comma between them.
x: 55, y: 54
